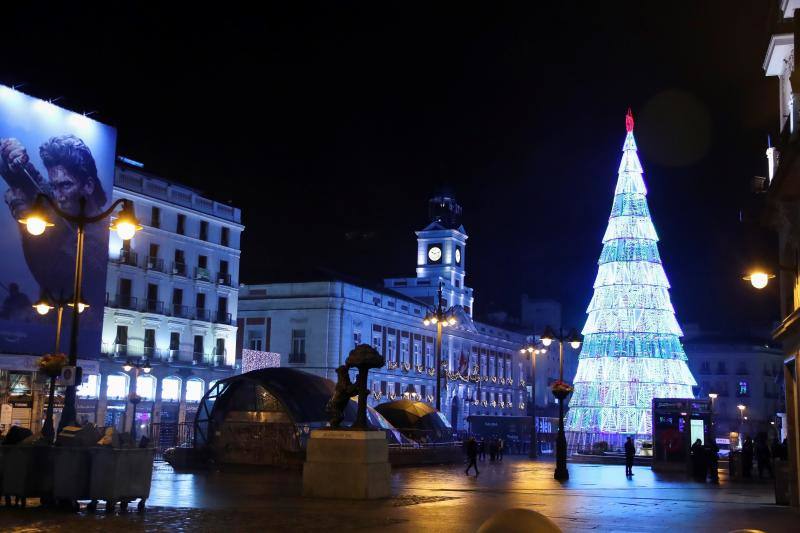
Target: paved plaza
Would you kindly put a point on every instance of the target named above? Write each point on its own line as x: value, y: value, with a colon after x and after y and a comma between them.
x: 439, y: 498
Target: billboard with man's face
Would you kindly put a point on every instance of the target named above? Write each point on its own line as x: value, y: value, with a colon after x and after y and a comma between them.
x: 66, y: 156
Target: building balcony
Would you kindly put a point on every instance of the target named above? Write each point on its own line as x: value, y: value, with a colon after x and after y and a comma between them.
x: 153, y: 306
x: 222, y: 317
x: 297, y: 358
x: 223, y: 278
x: 202, y: 314
x: 179, y: 311
x: 202, y: 274
x: 178, y: 269
x: 154, y: 263
x: 124, y: 301
x: 128, y: 257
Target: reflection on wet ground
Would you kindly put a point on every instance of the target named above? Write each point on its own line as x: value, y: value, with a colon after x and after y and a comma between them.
x: 438, y: 498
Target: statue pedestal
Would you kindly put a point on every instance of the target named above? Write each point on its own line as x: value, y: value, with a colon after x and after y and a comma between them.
x: 348, y: 464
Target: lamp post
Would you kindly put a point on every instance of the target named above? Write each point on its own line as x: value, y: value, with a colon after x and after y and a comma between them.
x: 43, y: 306
x: 136, y: 366
x: 713, y: 396
x: 574, y: 340
x: 532, y: 352
x: 36, y: 222
x: 742, y: 418
x: 442, y: 318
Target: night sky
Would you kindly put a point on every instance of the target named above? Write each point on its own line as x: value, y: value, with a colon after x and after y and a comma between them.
x: 330, y: 126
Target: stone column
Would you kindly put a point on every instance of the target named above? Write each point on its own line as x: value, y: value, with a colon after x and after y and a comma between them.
x: 182, y: 404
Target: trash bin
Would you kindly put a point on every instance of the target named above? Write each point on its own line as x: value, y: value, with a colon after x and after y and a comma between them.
x: 71, y: 473
x: 28, y: 472
x: 121, y: 475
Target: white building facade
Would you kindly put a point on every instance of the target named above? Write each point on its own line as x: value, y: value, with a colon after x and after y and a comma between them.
x: 313, y: 326
x: 171, y: 301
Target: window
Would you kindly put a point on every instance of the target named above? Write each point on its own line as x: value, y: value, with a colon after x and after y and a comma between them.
x: 174, y: 341
x: 171, y: 389
x: 705, y: 367
x: 220, y: 347
x: 404, y: 351
x: 390, y: 350
x: 146, y: 388
x: 743, y: 389
x: 116, y: 386
x: 356, y: 337
x: 299, y: 341
x: 199, y: 349
x: 194, y: 390
x: 376, y: 341
x: 180, y: 229
x: 89, y: 387
x: 122, y: 336
x: 428, y: 356
x: 224, y: 236
x: 255, y: 340
x: 149, y: 342
x: 203, y: 230
x: 155, y: 217
x: 741, y: 369
x: 721, y: 368
x: 417, y: 354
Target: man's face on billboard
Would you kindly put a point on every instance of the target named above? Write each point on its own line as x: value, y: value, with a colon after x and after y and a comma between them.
x: 67, y: 189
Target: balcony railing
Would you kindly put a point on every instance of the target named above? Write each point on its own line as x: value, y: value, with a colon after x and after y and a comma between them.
x: 154, y: 263
x: 178, y: 269
x: 202, y: 274
x: 224, y: 278
x: 125, y: 301
x: 222, y: 317
x: 128, y: 257
x: 297, y: 358
x: 202, y: 314
x: 153, y: 306
x: 124, y: 352
x: 180, y: 311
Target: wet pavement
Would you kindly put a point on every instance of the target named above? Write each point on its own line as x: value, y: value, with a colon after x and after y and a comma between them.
x: 439, y: 498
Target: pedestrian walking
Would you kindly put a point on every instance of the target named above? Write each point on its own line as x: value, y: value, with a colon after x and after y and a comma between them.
x: 698, y: 461
x: 472, y: 455
x: 630, y: 451
x: 482, y: 449
x: 763, y: 457
x: 747, y: 457
x: 501, y: 444
x: 712, y: 460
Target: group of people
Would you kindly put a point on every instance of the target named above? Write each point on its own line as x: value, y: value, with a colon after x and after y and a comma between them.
x: 705, y: 461
x: 477, y: 451
x: 763, y: 454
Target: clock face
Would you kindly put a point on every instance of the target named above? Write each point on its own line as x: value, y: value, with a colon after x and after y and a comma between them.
x: 458, y: 256
x: 434, y: 254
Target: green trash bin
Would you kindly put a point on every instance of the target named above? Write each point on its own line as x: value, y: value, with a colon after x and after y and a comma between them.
x: 121, y: 475
x: 71, y: 474
x: 28, y: 472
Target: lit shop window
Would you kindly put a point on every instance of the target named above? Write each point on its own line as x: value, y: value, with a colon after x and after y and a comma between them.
x: 146, y: 388
x: 117, y: 388
x: 194, y: 390
x: 90, y: 387
x: 171, y: 389
x: 743, y: 389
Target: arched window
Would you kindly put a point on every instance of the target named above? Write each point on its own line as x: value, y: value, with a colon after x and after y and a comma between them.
x: 146, y: 387
x: 194, y: 390
x: 90, y: 387
x: 171, y: 389
x: 117, y: 386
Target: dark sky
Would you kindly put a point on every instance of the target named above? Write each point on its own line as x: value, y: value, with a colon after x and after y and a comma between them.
x: 333, y: 120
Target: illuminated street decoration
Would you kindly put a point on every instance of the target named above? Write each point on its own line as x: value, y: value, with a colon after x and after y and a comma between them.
x: 631, y: 351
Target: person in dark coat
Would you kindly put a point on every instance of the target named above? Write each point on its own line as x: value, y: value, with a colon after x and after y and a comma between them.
x: 472, y: 455
x: 698, y: 461
x: 747, y: 457
x: 763, y: 457
x: 482, y: 449
x: 630, y: 451
x: 712, y: 460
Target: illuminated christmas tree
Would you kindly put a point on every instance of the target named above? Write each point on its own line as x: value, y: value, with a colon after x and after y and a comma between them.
x: 631, y: 351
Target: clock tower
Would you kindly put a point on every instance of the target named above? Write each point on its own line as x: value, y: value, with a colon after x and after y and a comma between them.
x: 441, y: 255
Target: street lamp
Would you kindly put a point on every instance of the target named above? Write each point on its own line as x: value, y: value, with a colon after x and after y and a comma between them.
x: 442, y: 318
x: 742, y: 418
x: 758, y: 278
x: 532, y: 352
x: 36, y: 222
x: 574, y: 340
x: 43, y: 306
x: 713, y: 396
x: 134, y: 397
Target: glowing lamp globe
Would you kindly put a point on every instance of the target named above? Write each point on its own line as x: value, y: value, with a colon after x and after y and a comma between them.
x: 127, y: 367
x: 35, y: 225
x: 547, y: 341
x: 452, y: 321
x: 759, y: 280
x: 42, y: 308
x: 126, y: 225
